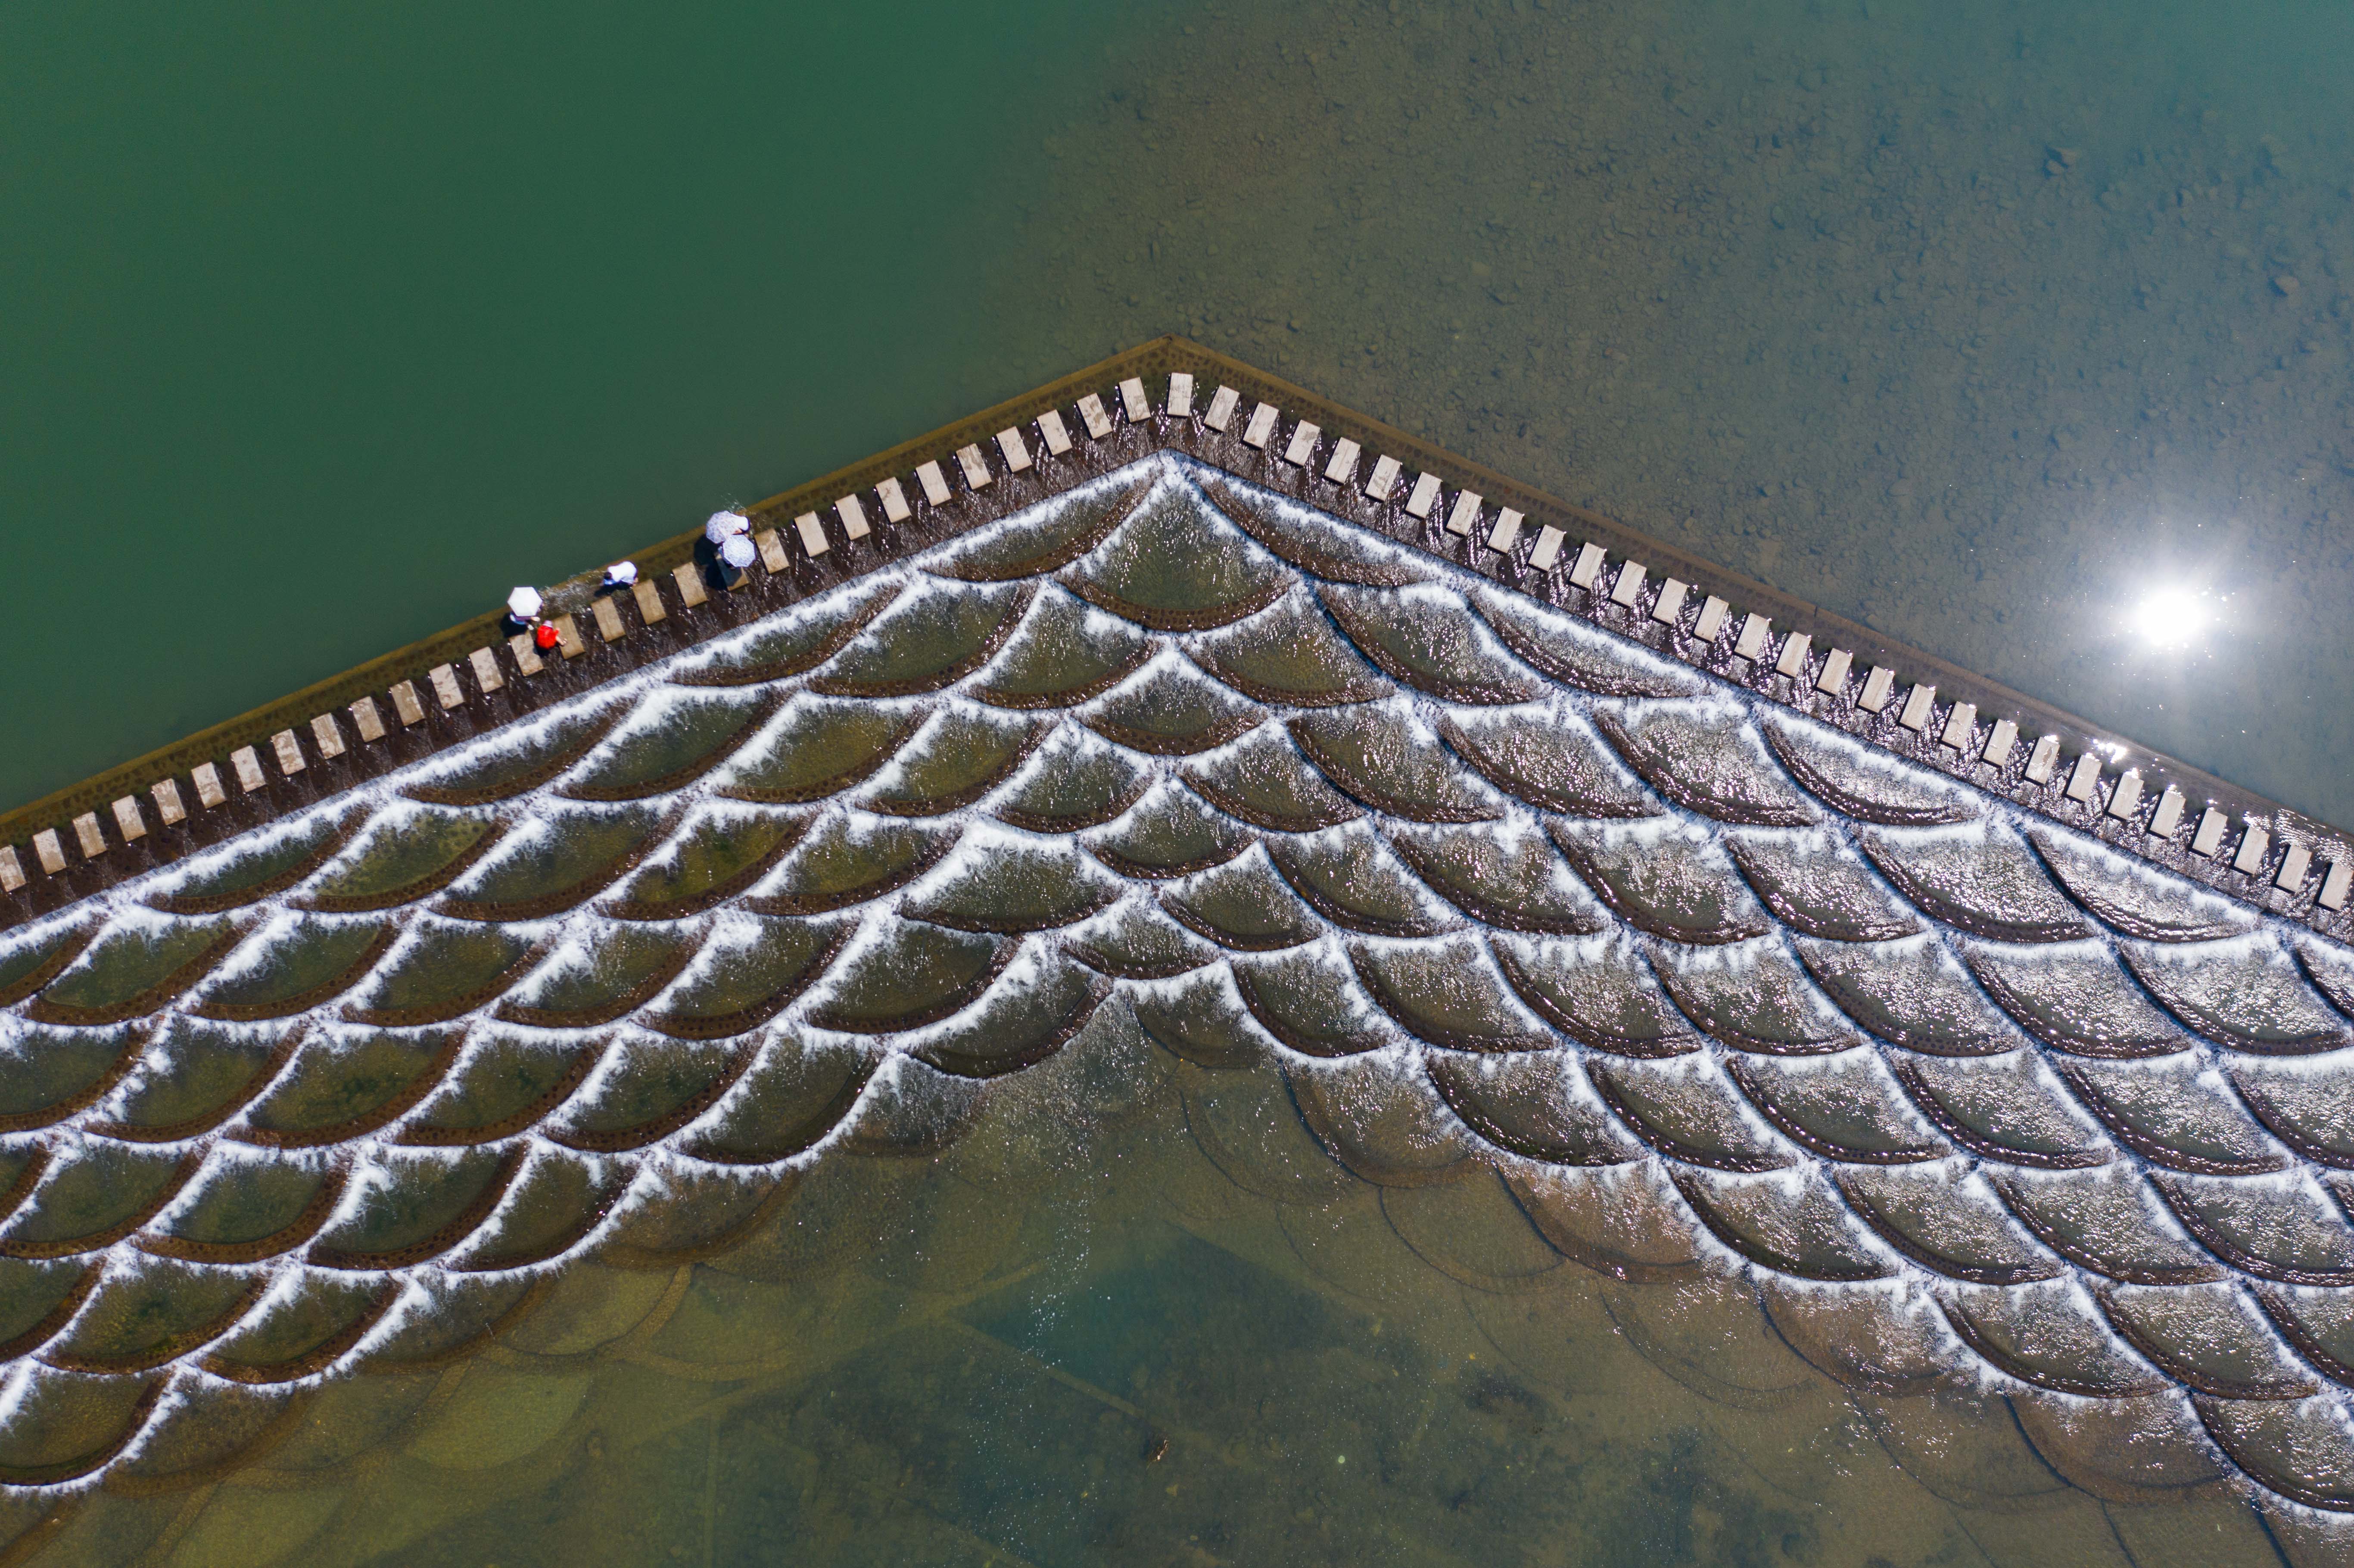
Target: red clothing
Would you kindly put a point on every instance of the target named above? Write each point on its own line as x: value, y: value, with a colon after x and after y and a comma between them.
x: 545, y: 635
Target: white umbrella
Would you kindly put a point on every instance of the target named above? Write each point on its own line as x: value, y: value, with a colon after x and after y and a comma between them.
x: 737, y: 552
x: 524, y: 603
x: 725, y: 523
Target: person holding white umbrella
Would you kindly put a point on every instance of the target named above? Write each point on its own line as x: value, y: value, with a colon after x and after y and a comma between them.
x: 524, y: 606
x: 736, y: 555
x: 725, y: 525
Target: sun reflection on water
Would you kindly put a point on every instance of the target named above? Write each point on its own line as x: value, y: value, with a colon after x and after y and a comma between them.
x: 2175, y: 615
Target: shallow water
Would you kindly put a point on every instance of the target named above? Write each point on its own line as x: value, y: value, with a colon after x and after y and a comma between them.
x: 1119, y: 1346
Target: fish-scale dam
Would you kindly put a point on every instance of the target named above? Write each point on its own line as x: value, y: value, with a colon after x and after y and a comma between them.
x: 1565, y: 968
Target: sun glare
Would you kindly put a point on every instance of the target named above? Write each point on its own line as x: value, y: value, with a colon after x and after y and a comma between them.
x: 2173, y: 617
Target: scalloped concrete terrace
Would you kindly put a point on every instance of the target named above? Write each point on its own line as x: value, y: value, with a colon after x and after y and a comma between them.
x: 1751, y: 969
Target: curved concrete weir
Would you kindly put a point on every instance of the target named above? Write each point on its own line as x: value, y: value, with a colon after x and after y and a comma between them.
x: 1589, y: 913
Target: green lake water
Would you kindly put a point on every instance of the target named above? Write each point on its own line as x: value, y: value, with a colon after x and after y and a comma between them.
x: 1977, y: 322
